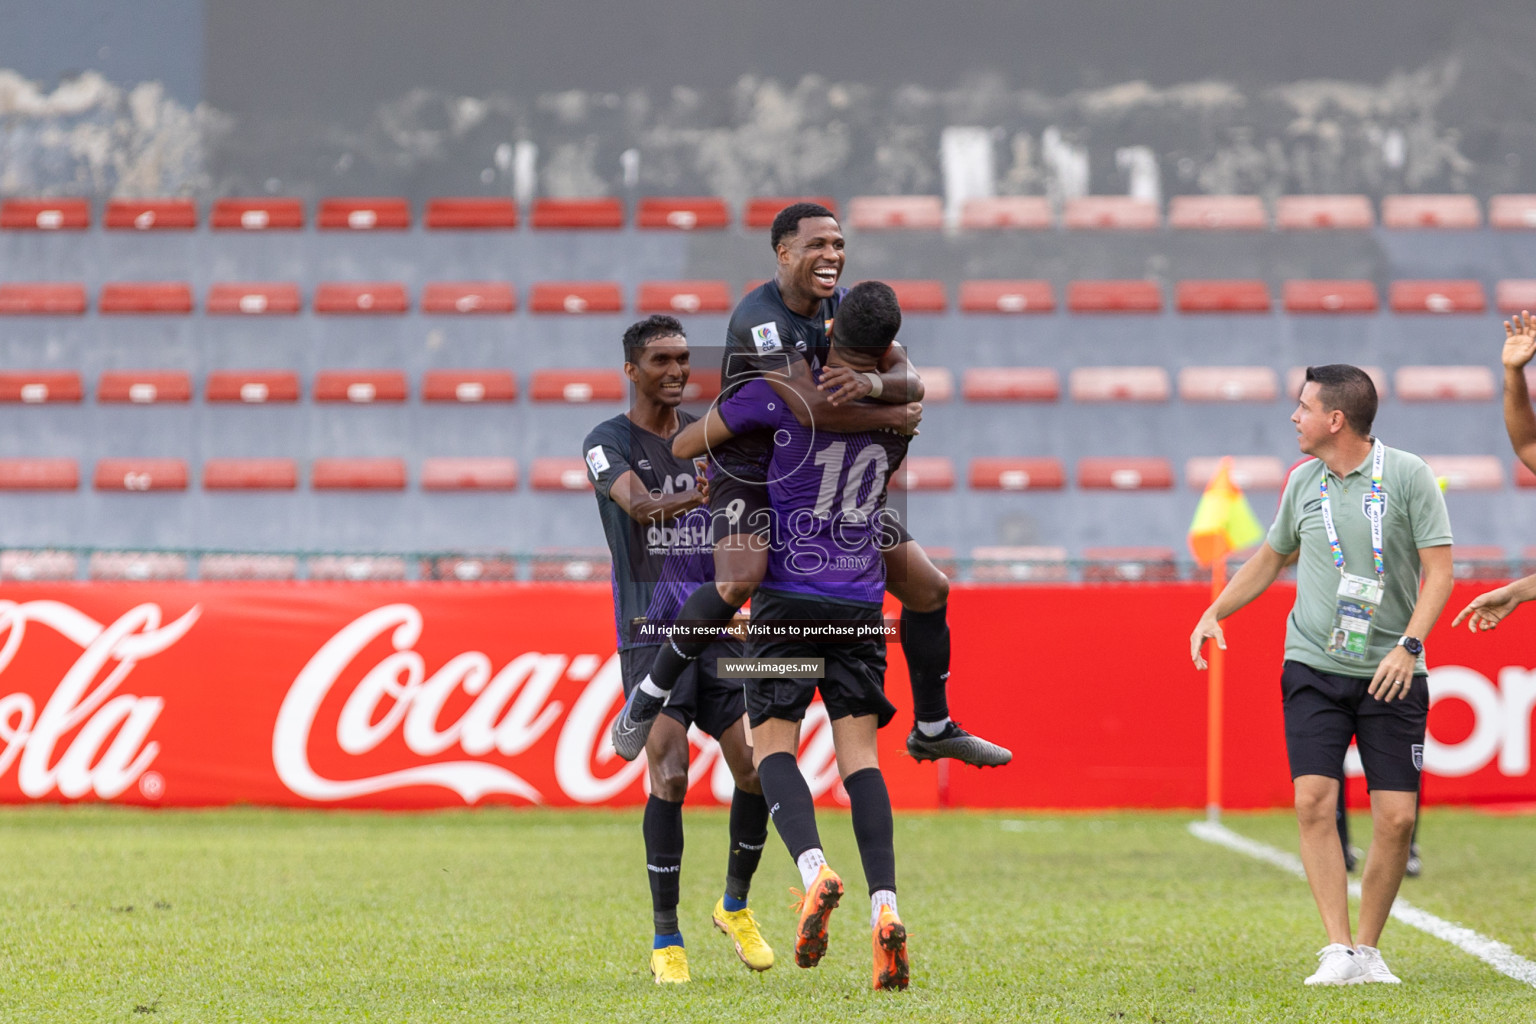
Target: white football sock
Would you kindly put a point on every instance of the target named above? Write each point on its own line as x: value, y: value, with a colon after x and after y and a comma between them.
x: 929, y: 729
x: 810, y: 863
x: 880, y: 898
x: 651, y: 688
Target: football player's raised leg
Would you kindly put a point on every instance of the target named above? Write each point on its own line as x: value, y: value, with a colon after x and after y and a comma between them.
x: 924, y: 595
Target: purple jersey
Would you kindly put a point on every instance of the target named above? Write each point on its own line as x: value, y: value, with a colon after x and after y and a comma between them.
x: 828, y: 492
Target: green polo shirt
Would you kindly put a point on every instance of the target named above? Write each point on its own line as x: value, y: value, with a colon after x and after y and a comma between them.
x: 1415, y: 518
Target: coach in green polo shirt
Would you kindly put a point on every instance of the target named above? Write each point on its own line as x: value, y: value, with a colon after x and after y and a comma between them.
x: 1367, y: 527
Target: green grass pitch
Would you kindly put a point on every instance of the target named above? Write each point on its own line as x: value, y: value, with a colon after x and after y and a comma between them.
x: 531, y: 916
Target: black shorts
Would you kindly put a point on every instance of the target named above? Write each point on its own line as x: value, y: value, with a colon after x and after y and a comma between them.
x: 700, y: 696
x: 740, y: 507
x: 854, y: 683
x: 1323, y: 712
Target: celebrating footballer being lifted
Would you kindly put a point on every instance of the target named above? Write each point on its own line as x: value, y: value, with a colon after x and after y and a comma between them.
x: 781, y: 333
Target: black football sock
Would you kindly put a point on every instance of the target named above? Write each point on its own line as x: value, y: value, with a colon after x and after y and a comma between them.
x: 663, y: 830
x: 704, y: 607
x: 873, y: 828
x: 749, y: 831
x: 790, y: 804
x: 925, y: 641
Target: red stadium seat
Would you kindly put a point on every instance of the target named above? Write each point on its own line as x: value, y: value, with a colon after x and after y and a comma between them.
x: 366, y: 213
x: 1524, y: 478
x: 361, y: 297
x: 1331, y: 297
x: 918, y: 296
x: 239, y: 566
x: 360, y: 386
x: 151, y: 215
x: 1016, y: 473
x: 135, y: 566
x: 1250, y: 472
x: 761, y: 210
x: 1010, y: 384
x: 560, y: 474
x: 355, y: 568
x: 1130, y: 565
x: 1513, y: 296
x: 597, y: 385
x: 252, y: 387
x: 1024, y: 212
x: 1248, y: 296
x: 1445, y: 384
x: 259, y: 214
x: 35, y: 387
x: 37, y: 565
x: 1119, y: 384
x: 1512, y: 211
x: 577, y: 566
x: 340, y: 474
x: 877, y: 213
x: 468, y: 386
x: 466, y: 297
x: 925, y: 473
x: 250, y: 475
x: 144, y: 387
x: 1468, y: 472
x: 472, y: 213
x: 1217, y: 213
x: 1132, y: 296
x: 140, y: 475
x: 686, y: 297
x: 470, y: 568
x: 42, y: 299
x: 492, y: 473
x: 938, y: 384
x: 703, y: 384
x: 1228, y: 384
x: 1438, y: 297
x: 166, y: 297
x: 45, y: 214
x: 1429, y: 211
x: 682, y: 214
x: 1119, y: 212
x: 1296, y: 376
x: 577, y: 297
x: 1124, y: 473
x: 1007, y: 297
x: 578, y: 213
x: 1303, y: 212
x: 1017, y: 564
x: 39, y: 474
x: 253, y: 298
x: 1479, y: 562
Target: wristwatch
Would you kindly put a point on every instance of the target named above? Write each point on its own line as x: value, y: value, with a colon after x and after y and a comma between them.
x: 1412, y: 644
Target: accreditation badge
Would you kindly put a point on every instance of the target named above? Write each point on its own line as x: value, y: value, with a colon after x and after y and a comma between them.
x: 1358, y: 599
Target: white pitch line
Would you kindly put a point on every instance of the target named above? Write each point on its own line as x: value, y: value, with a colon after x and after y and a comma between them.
x: 1491, y: 951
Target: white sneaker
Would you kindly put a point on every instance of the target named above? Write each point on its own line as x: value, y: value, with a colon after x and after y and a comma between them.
x: 1376, y: 969
x: 1337, y: 964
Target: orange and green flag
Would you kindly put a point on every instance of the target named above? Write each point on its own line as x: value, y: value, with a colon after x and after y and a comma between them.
x: 1224, y: 521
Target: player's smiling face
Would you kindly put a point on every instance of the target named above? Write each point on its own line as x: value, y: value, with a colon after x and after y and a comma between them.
x: 811, y: 260
x: 662, y: 372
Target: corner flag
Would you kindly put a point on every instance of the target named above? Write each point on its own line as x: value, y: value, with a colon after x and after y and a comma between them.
x: 1223, y: 520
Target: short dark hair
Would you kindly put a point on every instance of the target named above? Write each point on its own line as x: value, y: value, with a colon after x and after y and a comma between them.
x: 657, y: 325
x: 787, y: 221
x: 867, y: 319
x: 1348, y: 389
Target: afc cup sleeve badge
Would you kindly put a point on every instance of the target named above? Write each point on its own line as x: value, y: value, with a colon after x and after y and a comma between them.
x: 766, y: 338
x: 597, y: 461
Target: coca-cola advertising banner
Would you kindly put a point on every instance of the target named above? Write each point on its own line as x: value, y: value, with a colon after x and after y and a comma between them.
x: 439, y: 694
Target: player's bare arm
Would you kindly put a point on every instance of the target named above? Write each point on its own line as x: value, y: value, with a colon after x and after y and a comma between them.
x: 899, y: 382
x: 643, y: 506
x: 1246, y: 584
x: 1519, y: 419
x: 1394, y: 675
x: 1486, y: 611
x: 814, y: 407
x: 702, y: 435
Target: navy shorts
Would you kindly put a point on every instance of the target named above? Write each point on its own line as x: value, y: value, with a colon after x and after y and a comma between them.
x: 1323, y: 712
x: 854, y: 681
x: 700, y: 696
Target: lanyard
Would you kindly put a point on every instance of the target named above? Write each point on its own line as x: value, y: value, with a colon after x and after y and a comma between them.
x: 1374, y: 512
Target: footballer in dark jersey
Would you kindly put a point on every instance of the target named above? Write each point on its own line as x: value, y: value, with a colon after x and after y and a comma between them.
x: 780, y: 333
x: 658, y: 532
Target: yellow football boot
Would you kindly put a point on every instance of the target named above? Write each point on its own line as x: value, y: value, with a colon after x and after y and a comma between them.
x: 742, y: 928
x: 669, y: 964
